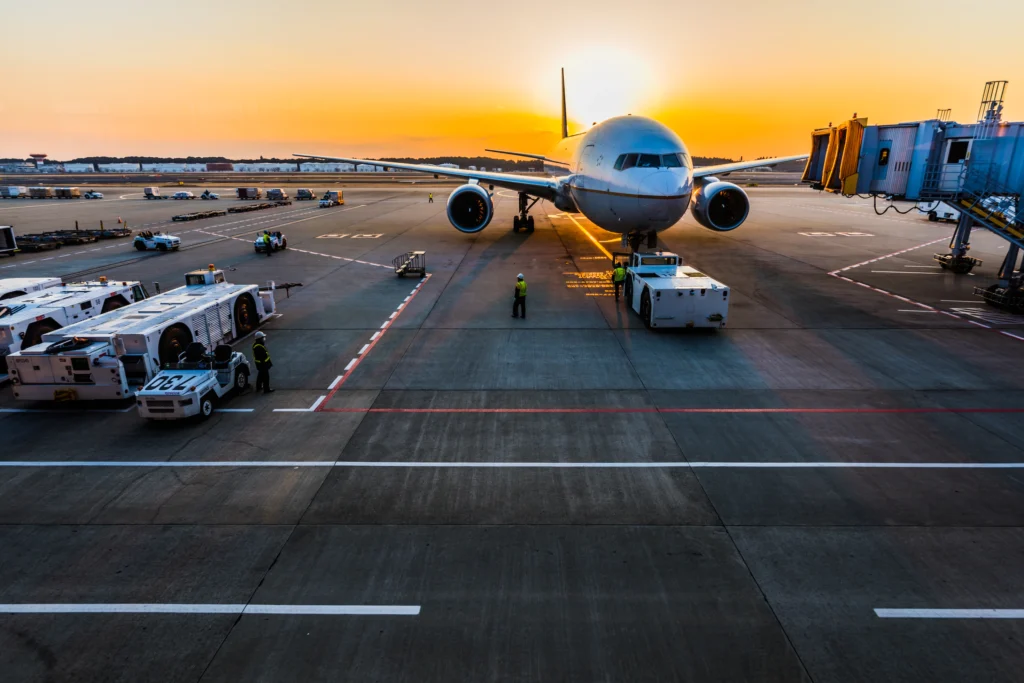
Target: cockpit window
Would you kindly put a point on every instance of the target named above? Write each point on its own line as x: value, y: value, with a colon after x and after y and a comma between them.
x: 670, y: 161
x: 648, y: 161
x: 673, y: 160
x: 628, y: 161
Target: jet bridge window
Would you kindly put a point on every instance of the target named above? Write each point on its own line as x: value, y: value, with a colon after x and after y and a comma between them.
x: 957, y: 151
x: 883, y: 156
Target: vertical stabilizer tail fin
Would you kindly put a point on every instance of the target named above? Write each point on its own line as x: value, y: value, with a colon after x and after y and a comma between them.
x: 565, y: 121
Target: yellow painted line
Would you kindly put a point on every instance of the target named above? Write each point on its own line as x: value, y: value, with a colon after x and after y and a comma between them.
x: 592, y: 238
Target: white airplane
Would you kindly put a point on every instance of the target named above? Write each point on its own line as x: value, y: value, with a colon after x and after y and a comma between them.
x: 628, y: 174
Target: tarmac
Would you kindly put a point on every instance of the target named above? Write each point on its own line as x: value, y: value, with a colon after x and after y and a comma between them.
x: 830, y: 489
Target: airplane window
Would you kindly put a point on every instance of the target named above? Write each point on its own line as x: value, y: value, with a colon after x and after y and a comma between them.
x: 618, y: 162
x: 648, y: 161
x: 670, y: 161
x: 629, y: 161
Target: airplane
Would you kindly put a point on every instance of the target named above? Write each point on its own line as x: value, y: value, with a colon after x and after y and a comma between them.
x: 628, y: 174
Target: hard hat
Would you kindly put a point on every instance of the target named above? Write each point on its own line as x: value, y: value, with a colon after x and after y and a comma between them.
x: 260, y: 335
x: 520, y: 276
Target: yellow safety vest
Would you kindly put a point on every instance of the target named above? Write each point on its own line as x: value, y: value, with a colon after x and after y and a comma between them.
x: 618, y: 275
x: 521, y: 287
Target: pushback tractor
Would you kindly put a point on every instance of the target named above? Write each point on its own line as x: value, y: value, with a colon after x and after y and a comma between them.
x: 665, y: 293
x: 115, y: 355
x: 20, y: 286
x: 191, y: 386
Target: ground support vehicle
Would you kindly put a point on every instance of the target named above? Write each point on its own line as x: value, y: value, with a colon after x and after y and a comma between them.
x: 38, y: 243
x: 117, y: 354
x: 332, y: 198
x: 184, y: 194
x: 277, y: 194
x: 25, y: 319
x: 149, y: 241
x: 8, y: 243
x: 20, y: 286
x: 667, y: 294
x: 249, y: 193
x: 410, y: 263
x: 152, y: 193
x: 197, y: 215
x: 66, y: 237
x: 68, y: 193
x: 277, y: 242
x: 304, y: 193
x: 209, y: 195
x: 13, y: 192
x: 41, y: 193
x: 194, y: 384
x: 93, y: 194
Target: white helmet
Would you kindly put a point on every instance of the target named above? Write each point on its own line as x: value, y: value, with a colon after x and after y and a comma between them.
x: 520, y: 276
x: 260, y: 335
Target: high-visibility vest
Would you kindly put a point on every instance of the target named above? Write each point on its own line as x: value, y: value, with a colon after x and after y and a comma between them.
x: 619, y: 274
x: 266, y: 354
x: 521, y: 287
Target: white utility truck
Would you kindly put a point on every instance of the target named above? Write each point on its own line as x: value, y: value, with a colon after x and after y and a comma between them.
x: 20, y: 286
x: 148, y: 241
x: 332, y: 198
x: 194, y: 384
x: 25, y: 319
x: 116, y: 354
x: 277, y: 242
x: 667, y: 294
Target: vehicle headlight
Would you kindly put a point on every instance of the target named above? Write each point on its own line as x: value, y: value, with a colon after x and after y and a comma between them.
x: 186, y: 402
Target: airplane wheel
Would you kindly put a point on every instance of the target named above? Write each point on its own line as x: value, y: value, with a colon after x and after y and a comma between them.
x: 515, y: 224
x: 645, y: 308
x: 652, y: 240
x: 529, y: 224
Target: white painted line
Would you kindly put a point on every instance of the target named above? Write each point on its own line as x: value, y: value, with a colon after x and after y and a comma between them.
x: 207, y: 608
x: 316, y: 403
x: 936, y: 267
x: 392, y: 316
x: 960, y: 301
x: 406, y: 298
x: 914, y: 310
x: 363, y: 350
x: 975, y: 322
x: 1010, y: 334
x: 512, y: 465
x: 49, y: 258
x: 350, y: 364
x: 233, y: 410
x: 375, y: 335
x: 335, y: 382
x: 386, y: 323
x: 886, y: 613
x: 903, y: 272
x: 291, y: 410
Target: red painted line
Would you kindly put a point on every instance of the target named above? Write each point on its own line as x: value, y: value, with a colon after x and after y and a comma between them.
x: 369, y: 347
x: 856, y: 411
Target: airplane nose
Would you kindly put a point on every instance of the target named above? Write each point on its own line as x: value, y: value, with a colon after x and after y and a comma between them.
x: 657, y: 193
x: 660, y: 184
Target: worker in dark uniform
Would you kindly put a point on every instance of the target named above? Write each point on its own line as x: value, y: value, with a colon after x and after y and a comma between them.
x: 266, y: 242
x: 618, y: 277
x: 261, y: 357
x: 430, y: 198
x: 519, y: 303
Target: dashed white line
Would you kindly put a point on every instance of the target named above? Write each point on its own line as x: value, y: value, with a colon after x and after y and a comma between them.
x: 349, y: 365
x: 890, y: 613
x: 363, y: 350
x: 206, y: 608
x: 336, y: 380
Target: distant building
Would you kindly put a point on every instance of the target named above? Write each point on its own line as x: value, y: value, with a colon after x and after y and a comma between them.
x: 79, y: 168
x: 326, y: 167
x: 117, y: 168
x: 448, y: 165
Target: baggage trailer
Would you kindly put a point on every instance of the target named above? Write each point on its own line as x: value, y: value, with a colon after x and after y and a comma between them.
x: 8, y: 245
x: 25, y: 319
x: 665, y: 293
x: 41, y: 193
x: 116, y: 354
x: 68, y: 193
x: 20, y: 286
x: 13, y: 192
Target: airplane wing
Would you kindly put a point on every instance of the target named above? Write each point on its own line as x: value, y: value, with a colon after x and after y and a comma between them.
x: 546, y: 188
x: 702, y: 171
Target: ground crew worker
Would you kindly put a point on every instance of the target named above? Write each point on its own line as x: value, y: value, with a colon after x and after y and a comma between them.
x: 520, y: 300
x: 266, y: 242
x: 618, y: 277
x: 261, y: 357
x: 430, y: 198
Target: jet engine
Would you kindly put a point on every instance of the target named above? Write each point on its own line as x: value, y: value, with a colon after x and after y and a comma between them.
x: 470, y: 208
x: 720, y: 206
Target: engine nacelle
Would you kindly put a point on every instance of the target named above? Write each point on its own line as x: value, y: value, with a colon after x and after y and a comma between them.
x: 470, y: 208
x: 720, y: 206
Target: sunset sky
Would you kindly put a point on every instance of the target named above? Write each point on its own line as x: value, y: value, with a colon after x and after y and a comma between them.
x: 385, y: 78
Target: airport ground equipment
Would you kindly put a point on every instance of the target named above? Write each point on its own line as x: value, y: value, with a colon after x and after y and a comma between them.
x: 193, y: 384
x: 332, y: 198
x: 68, y: 237
x: 665, y: 293
x: 249, y: 193
x: 939, y: 211
x: 68, y: 193
x: 150, y: 241
x: 246, y: 208
x: 277, y: 194
x: 41, y: 193
x: 116, y: 354
x: 25, y: 319
x: 20, y: 286
x: 8, y: 242
x: 197, y: 215
x: 277, y: 242
x: 184, y: 194
x: 975, y: 168
x: 93, y: 194
x: 304, y: 194
x: 35, y: 243
x: 209, y: 195
x: 13, y: 192
x: 410, y: 263
x: 152, y: 193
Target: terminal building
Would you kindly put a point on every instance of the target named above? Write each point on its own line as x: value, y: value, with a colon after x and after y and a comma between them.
x: 975, y: 168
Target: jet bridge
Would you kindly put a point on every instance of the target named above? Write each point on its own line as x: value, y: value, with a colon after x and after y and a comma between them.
x: 978, y: 168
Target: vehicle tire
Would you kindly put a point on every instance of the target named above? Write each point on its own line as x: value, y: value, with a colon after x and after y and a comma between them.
x: 515, y: 224
x: 529, y: 224
x: 241, y: 380
x: 173, y: 342
x: 206, y: 406
x: 246, y: 318
x: 141, y: 246
x: 34, y: 332
x: 627, y: 291
x: 161, y: 247
x: 933, y: 217
x: 113, y: 303
x: 284, y: 244
x: 645, y: 308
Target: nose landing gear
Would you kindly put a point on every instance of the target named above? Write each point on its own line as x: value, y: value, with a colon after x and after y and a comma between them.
x: 524, y: 221
x: 634, y: 239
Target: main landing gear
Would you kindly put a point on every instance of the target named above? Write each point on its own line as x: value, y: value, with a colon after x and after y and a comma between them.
x: 524, y: 221
x: 634, y: 239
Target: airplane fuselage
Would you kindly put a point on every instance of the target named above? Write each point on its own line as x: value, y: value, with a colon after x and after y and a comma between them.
x: 626, y: 174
